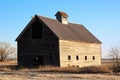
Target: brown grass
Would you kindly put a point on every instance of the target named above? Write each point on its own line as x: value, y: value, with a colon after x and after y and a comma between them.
x: 95, y: 69
x: 91, y: 69
x: 58, y: 69
x: 9, y: 70
x: 11, y: 65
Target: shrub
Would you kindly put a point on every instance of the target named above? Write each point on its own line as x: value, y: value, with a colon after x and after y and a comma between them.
x: 5, y: 50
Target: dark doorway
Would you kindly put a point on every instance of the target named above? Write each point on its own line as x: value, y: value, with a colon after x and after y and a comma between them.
x: 37, y: 60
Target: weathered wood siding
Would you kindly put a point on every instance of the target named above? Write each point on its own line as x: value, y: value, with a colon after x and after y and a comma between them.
x: 80, y: 49
x: 47, y: 47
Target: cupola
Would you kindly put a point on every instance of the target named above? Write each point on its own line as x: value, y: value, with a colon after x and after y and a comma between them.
x: 62, y: 17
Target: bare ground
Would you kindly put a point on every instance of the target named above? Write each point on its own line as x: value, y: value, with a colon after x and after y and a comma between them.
x: 23, y: 75
x: 7, y: 74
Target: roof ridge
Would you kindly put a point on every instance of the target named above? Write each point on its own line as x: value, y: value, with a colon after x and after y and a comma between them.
x: 75, y: 23
x: 46, y: 17
x: 56, y: 20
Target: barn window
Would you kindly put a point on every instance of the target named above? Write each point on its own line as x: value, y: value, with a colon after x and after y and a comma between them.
x: 93, y: 57
x: 85, y: 57
x: 69, y: 57
x: 77, y: 57
x: 37, y: 30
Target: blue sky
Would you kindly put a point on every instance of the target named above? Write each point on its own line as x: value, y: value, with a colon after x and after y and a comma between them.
x: 101, y: 17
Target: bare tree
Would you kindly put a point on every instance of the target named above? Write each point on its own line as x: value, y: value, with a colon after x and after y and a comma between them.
x: 5, y: 50
x: 115, y: 56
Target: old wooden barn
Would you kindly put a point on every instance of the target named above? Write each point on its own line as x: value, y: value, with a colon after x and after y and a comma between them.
x: 46, y: 41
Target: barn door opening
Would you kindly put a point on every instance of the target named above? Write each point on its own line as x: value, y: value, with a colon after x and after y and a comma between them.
x: 37, y: 60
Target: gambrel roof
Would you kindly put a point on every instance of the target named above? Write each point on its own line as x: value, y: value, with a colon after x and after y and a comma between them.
x: 71, y: 31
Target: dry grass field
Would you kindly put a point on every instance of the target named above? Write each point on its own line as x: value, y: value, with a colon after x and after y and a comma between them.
x: 8, y: 72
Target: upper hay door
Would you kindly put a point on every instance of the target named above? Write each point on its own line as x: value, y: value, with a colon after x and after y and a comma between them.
x: 37, y: 30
